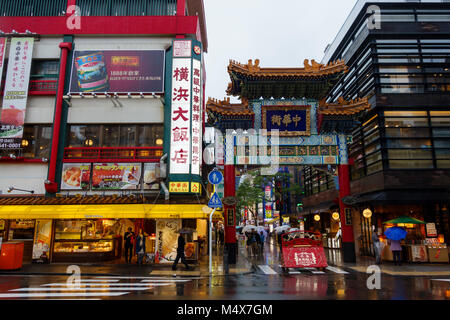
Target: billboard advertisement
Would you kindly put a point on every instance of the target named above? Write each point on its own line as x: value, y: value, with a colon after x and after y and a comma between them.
x: 75, y: 176
x: 150, y: 179
x: 167, y: 240
x: 116, y: 176
x: 120, y: 71
x: 16, y: 91
x: 197, y: 123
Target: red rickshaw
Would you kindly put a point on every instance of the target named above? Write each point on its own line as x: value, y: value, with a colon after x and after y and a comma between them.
x: 303, y: 249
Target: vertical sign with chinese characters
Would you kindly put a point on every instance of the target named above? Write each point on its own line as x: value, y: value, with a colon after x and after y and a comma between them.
x: 16, y: 92
x: 180, y: 136
x: 196, y: 118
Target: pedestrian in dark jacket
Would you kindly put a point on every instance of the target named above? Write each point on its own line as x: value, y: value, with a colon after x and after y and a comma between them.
x: 140, y: 246
x: 180, y: 253
x: 128, y: 238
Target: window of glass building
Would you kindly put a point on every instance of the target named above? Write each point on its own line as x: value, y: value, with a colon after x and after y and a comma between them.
x: 36, y: 141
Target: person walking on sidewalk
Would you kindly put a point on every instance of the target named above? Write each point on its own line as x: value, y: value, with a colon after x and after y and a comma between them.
x: 180, y: 254
x: 140, y: 246
x: 263, y: 239
x: 256, y: 244
x: 128, y: 239
x: 376, y: 245
x: 396, y: 249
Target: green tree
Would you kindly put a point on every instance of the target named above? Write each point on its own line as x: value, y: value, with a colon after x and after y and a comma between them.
x: 251, y: 191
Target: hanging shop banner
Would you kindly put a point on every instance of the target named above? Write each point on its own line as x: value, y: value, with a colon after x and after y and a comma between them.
x: 289, y: 120
x: 42, y: 241
x: 75, y: 176
x: 180, y: 135
x: 196, y: 118
x: 116, y: 176
x: 167, y: 240
x: 118, y: 71
x: 150, y: 179
x: 15, y: 92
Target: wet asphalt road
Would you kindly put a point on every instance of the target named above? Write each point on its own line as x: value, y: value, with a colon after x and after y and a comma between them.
x: 266, y: 282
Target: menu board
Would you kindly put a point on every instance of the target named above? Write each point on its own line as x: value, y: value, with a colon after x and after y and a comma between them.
x: 116, y: 176
x: 75, y: 176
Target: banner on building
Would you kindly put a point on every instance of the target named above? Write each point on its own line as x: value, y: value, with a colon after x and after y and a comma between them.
x: 75, y: 176
x: 167, y: 240
x: 118, y: 71
x: 289, y: 120
x: 197, y: 121
x: 180, y: 135
x: 16, y: 91
x: 42, y: 241
x: 116, y: 176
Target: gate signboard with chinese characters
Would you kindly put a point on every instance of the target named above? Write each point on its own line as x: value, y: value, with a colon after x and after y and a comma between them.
x: 303, y: 257
x: 186, y: 114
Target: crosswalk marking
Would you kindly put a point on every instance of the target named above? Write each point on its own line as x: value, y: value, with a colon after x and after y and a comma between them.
x: 336, y: 270
x: 61, y: 294
x: 110, y: 285
x: 83, y: 289
x: 266, y: 269
x: 87, y: 288
x: 446, y: 280
x: 315, y: 271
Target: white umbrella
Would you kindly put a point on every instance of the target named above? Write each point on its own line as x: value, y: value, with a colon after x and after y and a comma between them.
x: 263, y: 229
x: 281, y: 228
x: 294, y: 229
x: 248, y: 228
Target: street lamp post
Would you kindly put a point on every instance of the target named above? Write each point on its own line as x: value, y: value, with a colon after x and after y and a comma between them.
x: 210, y: 240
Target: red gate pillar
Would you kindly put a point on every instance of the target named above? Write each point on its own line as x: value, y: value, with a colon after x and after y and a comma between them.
x: 230, y: 213
x: 348, y: 241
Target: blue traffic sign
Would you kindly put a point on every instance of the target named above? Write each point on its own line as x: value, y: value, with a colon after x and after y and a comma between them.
x: 215, y: 201
x: 215, y: 177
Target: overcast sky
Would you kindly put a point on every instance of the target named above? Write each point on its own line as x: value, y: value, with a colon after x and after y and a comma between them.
x: 280, y: 33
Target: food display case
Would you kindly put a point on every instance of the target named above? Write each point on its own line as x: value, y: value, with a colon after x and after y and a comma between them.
x: 85, y: 241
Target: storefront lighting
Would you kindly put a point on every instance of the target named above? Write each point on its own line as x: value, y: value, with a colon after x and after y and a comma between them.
x: 159, y: 142
x: 367, y: 213
x: 317, y: 217
x: 89, y: 143
x: 335, y: 215
x: 25, y: 143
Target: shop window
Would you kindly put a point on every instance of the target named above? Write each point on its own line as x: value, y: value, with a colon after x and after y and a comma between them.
x: 36, y: 141
x: 407, y: 132
x: 441, y: 132
x: 376, y: 167
x: 400, y: 88
x: 44, y: 69
x: 442, y: 153
x: 406, y: 122
x: 357, y: 170
x: 410, y: 164
x: 373, y: 158
x: 409, y: 154
x: 443, y: 164
x: 400, y: 69
x: 21, y: 230
x: 442, y: 143
x: 440, y: 122
x: 409, y: 143
x: 127, y: 136
x: 111, y: 136
x: 394, y: 79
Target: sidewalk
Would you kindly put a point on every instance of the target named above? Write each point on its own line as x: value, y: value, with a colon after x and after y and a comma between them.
x: 119, y: 268
x: 334, y: 257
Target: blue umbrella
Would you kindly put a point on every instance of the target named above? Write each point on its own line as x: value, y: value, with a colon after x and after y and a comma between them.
x: 395, y: 233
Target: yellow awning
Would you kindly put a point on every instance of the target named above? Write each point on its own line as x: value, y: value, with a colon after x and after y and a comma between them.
x: 115, y: 211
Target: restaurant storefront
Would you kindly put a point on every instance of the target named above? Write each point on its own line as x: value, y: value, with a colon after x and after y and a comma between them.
x: 94, y: 233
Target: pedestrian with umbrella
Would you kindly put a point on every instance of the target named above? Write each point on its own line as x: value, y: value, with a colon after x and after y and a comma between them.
x: 394, y: 236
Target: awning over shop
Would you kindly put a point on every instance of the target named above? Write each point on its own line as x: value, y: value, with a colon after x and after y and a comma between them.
x: 145, y: 211
x: 322, y: 207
